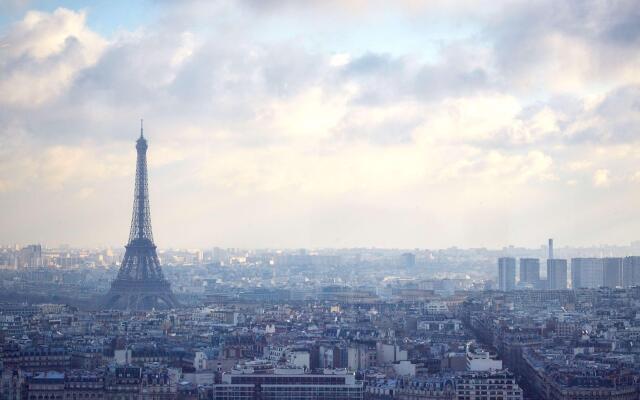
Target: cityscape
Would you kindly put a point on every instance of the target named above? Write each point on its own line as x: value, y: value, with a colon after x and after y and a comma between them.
x: 234, y: 324
x: 254, y: 315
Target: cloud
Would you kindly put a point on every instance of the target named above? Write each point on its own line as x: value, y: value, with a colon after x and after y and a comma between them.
x: 567, y: 47
x: 42, y: 54
x: 384, y: 78
x: 601, y: 178
x: 259, y: 131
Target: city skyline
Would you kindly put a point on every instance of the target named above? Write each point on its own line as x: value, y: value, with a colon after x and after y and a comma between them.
x: 276, y: 124
x: 324, y: 199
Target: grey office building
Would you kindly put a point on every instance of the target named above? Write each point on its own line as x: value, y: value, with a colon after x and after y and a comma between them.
x: 530, y: 272
x: 506, y: 274
x: 612, y: 272
x: 631, y: 271
x: 586, y: 273
x: 556, y: 274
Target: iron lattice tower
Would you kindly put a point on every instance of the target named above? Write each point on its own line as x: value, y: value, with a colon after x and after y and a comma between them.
x: 140, y: 284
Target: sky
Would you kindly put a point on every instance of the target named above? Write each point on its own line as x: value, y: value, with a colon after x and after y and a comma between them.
x: 281, y: 123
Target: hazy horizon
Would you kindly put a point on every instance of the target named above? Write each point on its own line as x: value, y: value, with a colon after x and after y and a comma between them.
x: 346, y: 124
x: 542, y: 247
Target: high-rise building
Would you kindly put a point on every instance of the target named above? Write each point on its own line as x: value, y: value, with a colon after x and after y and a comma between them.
x: 408, y: 260
x: 506, y: 273
x: 586, y: 273
x: 530, y: 272
x: 556, y: 274
x: 550, y: 249
x: 30, y: 256
x: 631, y: 271
x: 612, y: 272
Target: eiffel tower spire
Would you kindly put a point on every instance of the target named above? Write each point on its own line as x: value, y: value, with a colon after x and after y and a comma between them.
x: 140, y: 283
x: 141, y: 219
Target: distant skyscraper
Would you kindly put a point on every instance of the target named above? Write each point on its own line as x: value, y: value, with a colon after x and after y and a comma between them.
x: 631, y: 271
x: 506, y: 273
x: 408, y: 260
x: 612, y: 272
x: 550, y: 249
x: 556, y: 274
x: 586, y: 273
x: 30, y: 256
x: 530, y: 272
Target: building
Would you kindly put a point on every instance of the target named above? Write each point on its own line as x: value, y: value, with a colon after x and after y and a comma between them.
x: 408, y: 260
x: 631, y: 271
x: 297, y: 357
x: 30, y: 256
x: 123, y: 382
x: 158, y: 384
x: 83, y: 385
x: 481, y: 360
x: 251, y: 380
x: 46, y: 385
x: 556, y: 274
x: 612, y: 272
x: 586, y: 273
x: 488, y: 385
x: 530, y: 272
x: 388, y: 353
x: 36, y: 359
x: 506, y: 274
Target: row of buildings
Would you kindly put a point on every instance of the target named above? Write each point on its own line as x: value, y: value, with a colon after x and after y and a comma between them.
x: 564, y: 344
x: 585, y: 272
x: 413, y: 346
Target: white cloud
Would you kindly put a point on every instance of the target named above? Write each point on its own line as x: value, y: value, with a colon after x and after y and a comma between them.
x: 340, y: 59
x: 601, y: 178
x: 579, y: 165
x: 43, y: 53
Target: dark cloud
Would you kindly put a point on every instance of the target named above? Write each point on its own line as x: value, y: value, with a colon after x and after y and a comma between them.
x: 528, y: 37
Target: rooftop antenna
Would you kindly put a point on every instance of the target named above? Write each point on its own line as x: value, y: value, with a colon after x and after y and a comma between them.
x: 141, y: 128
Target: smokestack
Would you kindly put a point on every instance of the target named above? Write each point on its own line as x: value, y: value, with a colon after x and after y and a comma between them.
x: 551, y: 249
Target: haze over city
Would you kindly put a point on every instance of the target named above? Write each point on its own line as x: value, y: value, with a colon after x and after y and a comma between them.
x: 321, y: 124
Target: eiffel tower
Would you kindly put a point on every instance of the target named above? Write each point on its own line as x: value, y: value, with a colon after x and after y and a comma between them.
x: 140, y: 284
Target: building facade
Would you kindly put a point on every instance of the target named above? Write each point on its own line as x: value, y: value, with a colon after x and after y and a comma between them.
x: 612, y: 272
x: 556, y: 274
x: 288, y: 383
x: 530, y: 272
x: 631, y: 271
x: 587, y: 273
x: 506, y: 273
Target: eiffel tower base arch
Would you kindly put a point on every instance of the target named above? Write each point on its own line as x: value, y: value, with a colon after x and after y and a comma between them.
x: 127, y: 295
